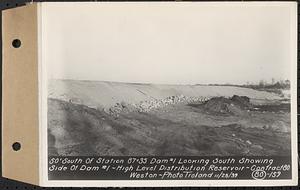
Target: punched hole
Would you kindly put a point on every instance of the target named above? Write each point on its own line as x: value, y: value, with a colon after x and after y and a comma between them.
x: 16, y: 43
x: 16, y: 146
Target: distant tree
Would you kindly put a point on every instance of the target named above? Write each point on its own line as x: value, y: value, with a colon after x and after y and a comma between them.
x: 287, y: 82
x: 273, y: 80
x: 261, y: 83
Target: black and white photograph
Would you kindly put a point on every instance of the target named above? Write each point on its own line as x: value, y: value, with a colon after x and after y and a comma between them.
x: 170, y: 79
x: 170, y: 85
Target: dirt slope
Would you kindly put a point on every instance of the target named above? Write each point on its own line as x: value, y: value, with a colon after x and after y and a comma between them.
x: 106, y: 94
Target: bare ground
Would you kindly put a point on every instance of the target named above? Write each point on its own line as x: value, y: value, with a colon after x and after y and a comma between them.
x: 180, y: 129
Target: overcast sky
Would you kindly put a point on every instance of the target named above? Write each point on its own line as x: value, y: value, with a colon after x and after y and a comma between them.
x: 170, y: 43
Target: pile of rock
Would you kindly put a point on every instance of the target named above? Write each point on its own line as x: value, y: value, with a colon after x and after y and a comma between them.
x: 121, y: 107
x: 148, y: 105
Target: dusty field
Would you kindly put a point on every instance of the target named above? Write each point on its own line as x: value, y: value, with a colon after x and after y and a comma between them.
x: 180, y: 129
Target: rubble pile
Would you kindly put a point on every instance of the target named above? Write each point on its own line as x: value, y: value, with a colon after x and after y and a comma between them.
x: 235, y: 105
x: 242, y: 101
x: 148, y: 105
